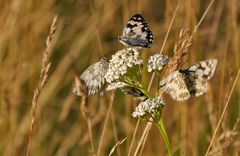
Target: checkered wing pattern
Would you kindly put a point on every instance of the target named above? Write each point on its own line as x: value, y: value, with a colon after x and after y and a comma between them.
x: 175, y: 86
x: 183, y: 83
x: 137, y: 33
x: 93, y: 76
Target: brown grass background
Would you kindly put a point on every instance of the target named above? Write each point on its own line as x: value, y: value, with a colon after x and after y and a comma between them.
x: 88, y: 30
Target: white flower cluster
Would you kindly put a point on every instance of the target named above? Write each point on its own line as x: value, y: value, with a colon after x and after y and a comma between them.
x: 156, y: 62
x: 121, y: 61
x: 148, y: 107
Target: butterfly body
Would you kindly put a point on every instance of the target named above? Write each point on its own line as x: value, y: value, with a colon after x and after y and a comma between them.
x: 136, y: 33
x: 192, y: 81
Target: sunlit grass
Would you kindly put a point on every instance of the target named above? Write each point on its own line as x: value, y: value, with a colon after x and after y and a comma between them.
x: 88, y: 30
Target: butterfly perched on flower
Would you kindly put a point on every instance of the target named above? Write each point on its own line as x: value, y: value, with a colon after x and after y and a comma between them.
x: 135, y: 92
x: 93, y: 77
x: 137, y: 33
x: 127, y: 89
x: 192, y: 81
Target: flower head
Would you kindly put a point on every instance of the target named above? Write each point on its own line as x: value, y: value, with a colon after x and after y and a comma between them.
x: 149, y: 107
x: 121, y: 61
x: 156, y: 62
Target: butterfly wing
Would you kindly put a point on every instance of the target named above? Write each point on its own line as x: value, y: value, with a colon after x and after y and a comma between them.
x: 115, y: 85
x: 195, y: 84
x: 137, y: 33
x: 196, y: 76
x: 204, y: 69
x: 181, y: 84
x: 175, y: 86
x: 134, y: 92
x: 93, y: 76
x: 126, y: 89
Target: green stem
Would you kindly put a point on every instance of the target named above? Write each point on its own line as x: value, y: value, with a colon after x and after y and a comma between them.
x: 146, y: 93
x: 163, y: 131
x: 158, y: 85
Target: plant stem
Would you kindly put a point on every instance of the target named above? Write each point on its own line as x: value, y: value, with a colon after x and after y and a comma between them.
x: 163, y: 131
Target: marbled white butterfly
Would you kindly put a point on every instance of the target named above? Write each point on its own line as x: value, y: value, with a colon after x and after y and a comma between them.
x: 134, y: 92
x: 127, y: 89
x: 183, y: 83
x: 93, y: 77
x: 136, y: 33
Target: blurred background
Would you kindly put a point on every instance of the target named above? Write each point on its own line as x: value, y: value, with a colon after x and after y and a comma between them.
x: 87, y: 31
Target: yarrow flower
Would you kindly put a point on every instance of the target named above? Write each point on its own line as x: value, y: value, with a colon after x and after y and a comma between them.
x: 156, y: 62
x: 148, y: 107
x: 121, y: 61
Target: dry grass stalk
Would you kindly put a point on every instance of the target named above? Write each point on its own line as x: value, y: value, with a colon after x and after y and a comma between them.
x: 181, y: 48
x: 144, y: 135
x: 134, y: 137
x: 115, y: 132
x: 210, y: 108
x: 225, y: 140
x: 95, y: 120
x: 116, y: 146
x: 105, y: 123
x: 82, y: 91
x: 203, y: 16
x: 145, y: 139
x: 67, y: 105
x: 43, y: 79
x: 222, y: 115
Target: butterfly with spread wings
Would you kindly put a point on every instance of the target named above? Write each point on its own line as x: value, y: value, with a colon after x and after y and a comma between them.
x: 137, y: 33
x: 192, y: 81
x: 93, y: 77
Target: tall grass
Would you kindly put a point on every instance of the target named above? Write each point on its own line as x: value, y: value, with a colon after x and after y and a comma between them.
x: 88, y: 30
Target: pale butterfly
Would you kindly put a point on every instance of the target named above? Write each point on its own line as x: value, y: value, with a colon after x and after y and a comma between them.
x: 136, y: 92
x: 93, y: 77
x: 127, y: 89
x: 137, y: 33
x: 192, y: 81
